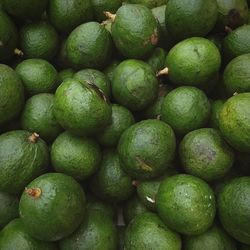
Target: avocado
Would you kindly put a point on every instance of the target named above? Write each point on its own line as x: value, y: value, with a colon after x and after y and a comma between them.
x: 52, y: 206
x: 65, y: 74
x: 109, y: 71
x: 23, y: 157
x: 216, y: 107
x: 61, y: 59
x: 157, y: 59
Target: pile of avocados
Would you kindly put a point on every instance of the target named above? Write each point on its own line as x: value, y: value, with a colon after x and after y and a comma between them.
x: 124, y: 125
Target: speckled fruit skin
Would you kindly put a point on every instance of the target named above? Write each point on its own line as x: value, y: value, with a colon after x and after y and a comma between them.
x: 234, y: 208
x: 147, y: 231
x: 134, y: 84
x: 135, y: 31
x: 205, y: 154
x: 193, y: 61
x: 234, y: 122
x: 57, y: 212
x: 81, y: 109
x: 186, y: 204
x: 216, y: 107
x: 146, y: 149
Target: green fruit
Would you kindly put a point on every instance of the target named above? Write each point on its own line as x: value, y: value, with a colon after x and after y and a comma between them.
x: 121, y: 119
x: 109, y: 71
x: 157, y: 59
x: 89, y: 46
x: 65, y: 74
x: 8, y: 37
x: 97, y: 232
x: 110, y: 183
x: 81, y: 109
x: 234, y: 208
x: 52, y: 206
x: 186, y: 204
x: 237, y: 42
x: 185, y: 109
x: 38, y: 115
x: 217, y: 39
x: 148, y: 232
x: 233, y: 13
x: 39, y: 40
x: 96, y: 77
x: 66, y: 15
x: 38, y: 76
x: 134, y: 84
x: 193, y: 61
x: 8, y: 209
x: 189, y: 18
x: 216, y: 107
x: 23, y: 156
x: 11, y: 94
x: 204, y: 153
x: 146, y: 149
x: 61, y: 58
x: 135, y: 31
x: 215, y: 238
x: 25, y: 9
x: 236, y: 76
x: 234, y: 122
x: 100, y: 6
x: 76, y: 156
x: 148, y: 3
x: 14, y: 236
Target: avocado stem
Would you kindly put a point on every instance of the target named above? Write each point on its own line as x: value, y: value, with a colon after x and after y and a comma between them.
x: 33, y: 137
x: 34, y: 192
x: 110, y: 16
x: 163, y: 72
x: 228, y: 29
x: 18, y: 52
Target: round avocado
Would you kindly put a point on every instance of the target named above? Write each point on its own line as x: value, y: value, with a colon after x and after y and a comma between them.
x: 236, y: 76
x: 216, y: 107
x: 96, y: 77
x: 23, y: 157
x: 157, y: 59
x: 38, y: 76
x: 146, y: 149
x: 8, y: 208
x: 109, y: 71
x: 39, y: 40
x: 76, y: 156
x: 81, y: 109
x: 65, y: 74
x: 185, y: 109
x: 66, y: 15
x: 52, y: 206
x: 189, y: 18
x: 147, y: 231
x: 62, y: 60
x: 110, y: 183
x: 14, y: 236
x: 135, y: 31
x: 205, y: 154
x: 38, y: 115
x: 215, y: 238
x: 193, y: 61
x: 97, y: 232
x: 234, y: 122
x: 121, y: 119
x: 134, y: 84
x: 234, y: 208
x: 89, y: 46
x: 11, y: 94
x: 186, y: 204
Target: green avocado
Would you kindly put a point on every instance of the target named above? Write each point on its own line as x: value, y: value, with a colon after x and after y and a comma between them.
x: 186, y: 204
x: 157, y: 59
x: 52, y: 206
x: 205, y: 154
x: 38, y: 115
x: 65, y: 74
x: 109, y: 71
x: 111, y: 183
x: 11, y: 94
x: 89, y: 46
x: 234, y: 208
x: 14, y: 236
x: 216, y: 107
x: 146, y: 149
x: 23, y: 157
x: 81, y: 109
x: 62, y: 60
x: 134, y: 84
x: 135, y: 31
x: 147, y: 231
x: 76, y: 156
x: 97, y: 232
